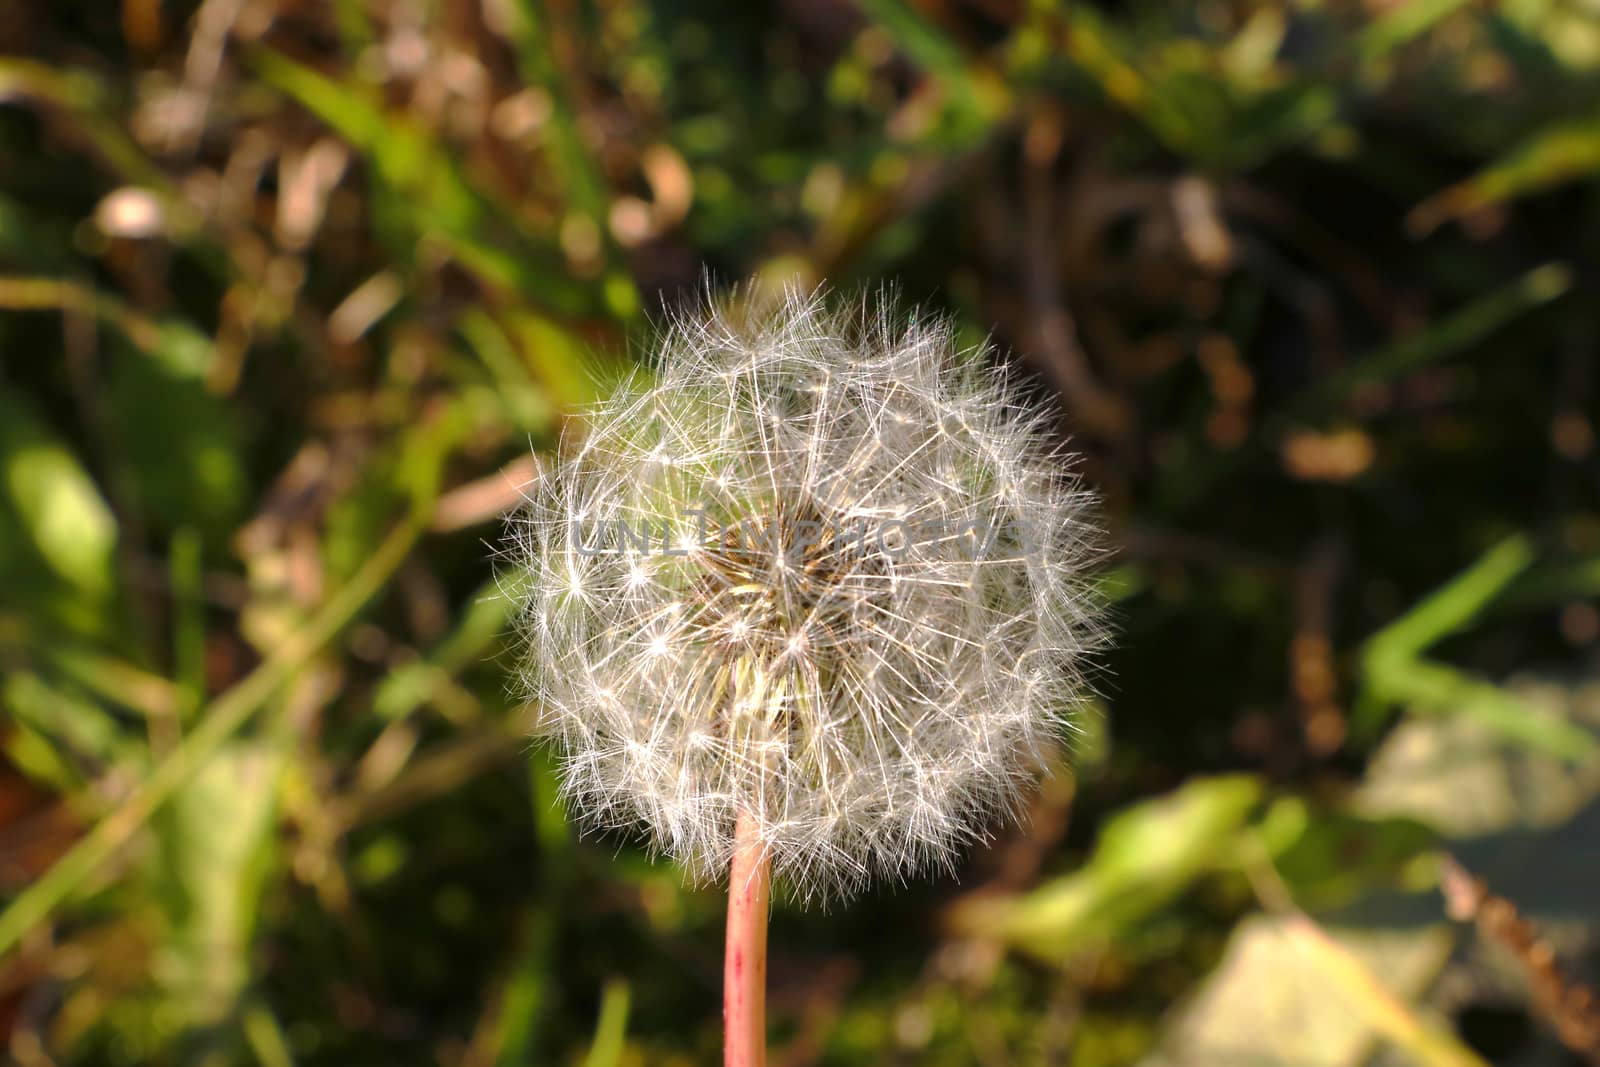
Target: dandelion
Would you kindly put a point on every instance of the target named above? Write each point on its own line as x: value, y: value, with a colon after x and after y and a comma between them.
x: 811, y: 601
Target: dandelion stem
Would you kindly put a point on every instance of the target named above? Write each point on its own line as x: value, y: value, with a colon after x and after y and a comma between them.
x: 744, y: 973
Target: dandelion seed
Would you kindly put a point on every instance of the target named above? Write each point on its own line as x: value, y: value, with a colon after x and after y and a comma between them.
x: 877, y: 619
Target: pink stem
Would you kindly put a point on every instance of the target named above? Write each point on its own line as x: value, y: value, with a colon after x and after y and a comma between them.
x: 744, y: 971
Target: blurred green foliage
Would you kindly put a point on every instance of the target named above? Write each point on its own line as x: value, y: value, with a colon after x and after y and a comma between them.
x: 294, y: 298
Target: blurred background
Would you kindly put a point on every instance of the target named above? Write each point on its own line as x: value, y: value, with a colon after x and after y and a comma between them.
x: 292, y: 292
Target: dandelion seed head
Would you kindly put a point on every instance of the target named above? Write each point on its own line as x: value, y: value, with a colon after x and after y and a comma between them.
x: 843, y: 582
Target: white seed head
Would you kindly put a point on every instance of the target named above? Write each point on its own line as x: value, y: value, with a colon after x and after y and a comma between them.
x: 821, y: 566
